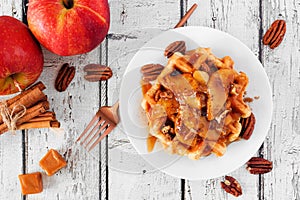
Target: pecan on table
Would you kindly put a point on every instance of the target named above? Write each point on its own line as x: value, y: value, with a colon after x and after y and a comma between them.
x: 97, y: 72
x: 64, y: 77
x: 231, y: 186
x: 275, y: 34
x: 257, y: 165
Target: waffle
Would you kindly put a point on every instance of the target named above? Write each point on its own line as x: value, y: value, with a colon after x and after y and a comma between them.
x: 195, y: 105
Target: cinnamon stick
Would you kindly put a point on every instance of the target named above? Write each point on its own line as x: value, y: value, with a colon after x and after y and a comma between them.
x: 47, y: 114
x: 54, y: 124
x: 29, y: 99
x: 32, y: 112
x: 39, y: 124
x: 39, y: 119
x: 36, y: 115
x: 39, y: 85
x: 186, y: 16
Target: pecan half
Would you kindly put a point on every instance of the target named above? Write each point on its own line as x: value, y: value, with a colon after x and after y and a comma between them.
x: 247, y: 126
x: 231, y: 186
x: 257, y: 165
x: 177, y: 46
x: 64, y: 77
x: 97, y: 72
x: 151, y: 71
x: 275, y: 34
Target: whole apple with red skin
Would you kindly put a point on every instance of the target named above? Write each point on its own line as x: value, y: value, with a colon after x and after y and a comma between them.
x: 69, y: 27
x: 21, y: 57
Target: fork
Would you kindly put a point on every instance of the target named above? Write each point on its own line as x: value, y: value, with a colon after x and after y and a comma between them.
x: 105, y: 120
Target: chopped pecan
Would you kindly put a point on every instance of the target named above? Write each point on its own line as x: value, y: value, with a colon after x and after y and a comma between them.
x: 97, y: 72
x: 205, y: 67
x: 247, y: 126
x: 163, y: 94
x: 167, y: 94
x: 166, y: 129
x: 257, y: 165
x: 157, y: 96
x: 177, y: 46
x: 248, y: 100
x: 151, y: 71
x: 231, y: 186
x: 64, y: 77
x: 275, y: 34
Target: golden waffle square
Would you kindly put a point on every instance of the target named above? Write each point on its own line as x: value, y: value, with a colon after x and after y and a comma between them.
x: 195, y: 105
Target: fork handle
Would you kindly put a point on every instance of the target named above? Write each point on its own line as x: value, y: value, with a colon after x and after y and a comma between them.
x: 114, y: 108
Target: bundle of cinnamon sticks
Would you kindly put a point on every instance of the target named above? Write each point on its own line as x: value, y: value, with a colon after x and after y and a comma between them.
x: 36, y: 113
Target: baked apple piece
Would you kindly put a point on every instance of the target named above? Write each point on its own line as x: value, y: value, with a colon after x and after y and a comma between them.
x: 218, y: 88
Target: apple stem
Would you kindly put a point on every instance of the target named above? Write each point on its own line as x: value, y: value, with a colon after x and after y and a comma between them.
x: 68, y: 4
x: 17, y: 85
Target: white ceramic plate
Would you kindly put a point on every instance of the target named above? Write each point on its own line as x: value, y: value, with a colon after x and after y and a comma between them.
x: 134, y: 122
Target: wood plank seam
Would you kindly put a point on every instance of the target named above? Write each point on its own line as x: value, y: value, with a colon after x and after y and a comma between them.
x: 24, y: 155
x: 103, y: 101
x: 106, y: 138
x: 213, y: 13
x: 24, y: 11
x: 183, y: 10
x: 260, y: 194
x: 100, y: 144
x: 100, y: 171
x: 24, y: 132
x: 260, y: 45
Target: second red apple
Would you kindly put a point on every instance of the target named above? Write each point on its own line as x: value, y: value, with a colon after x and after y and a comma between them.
x: 69, y: 27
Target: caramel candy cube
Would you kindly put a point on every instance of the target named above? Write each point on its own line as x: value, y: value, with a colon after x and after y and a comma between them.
x: 52, y: 162
x: 31, y: 183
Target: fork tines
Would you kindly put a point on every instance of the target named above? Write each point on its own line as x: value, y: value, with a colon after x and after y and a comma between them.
x: 102, y: 128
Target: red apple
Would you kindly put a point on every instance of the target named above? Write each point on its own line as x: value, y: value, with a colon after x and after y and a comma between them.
x: 69, y: 27
x: 21, y: 58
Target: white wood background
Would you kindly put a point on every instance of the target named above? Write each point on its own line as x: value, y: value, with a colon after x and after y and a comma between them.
x: 133, y: 22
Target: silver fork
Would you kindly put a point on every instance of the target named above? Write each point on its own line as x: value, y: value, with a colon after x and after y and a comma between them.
x: 105, y: 120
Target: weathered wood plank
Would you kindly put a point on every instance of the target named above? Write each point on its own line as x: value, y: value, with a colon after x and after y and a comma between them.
x: 11, y: 8
x: 282, y: 65
x: 10, y: 145
x: 240, y: 19
x: 74, y: 108
x: 133, y: 24
x: 10, y: 165
x: 103, y: 146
